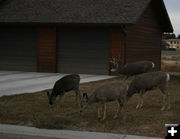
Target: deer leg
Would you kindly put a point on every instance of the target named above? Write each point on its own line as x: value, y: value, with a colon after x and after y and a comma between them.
x: 141, y: 101
x: 168, y: 102
x: 118, y: 109
x: 76, y: 99
x: 137, y: 107
x: 164, y: 105
x: 125, y: 109
x: 166, y: 99
x: 78, y: 96
x: 61, y: 99
x: 98, y: 110
x: 168, y: 107
x: 104, y: 111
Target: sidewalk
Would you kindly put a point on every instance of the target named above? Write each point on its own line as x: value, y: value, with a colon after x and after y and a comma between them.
x: 23, y: 132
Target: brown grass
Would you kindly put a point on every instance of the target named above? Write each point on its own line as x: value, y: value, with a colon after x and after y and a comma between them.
x: 33, y: 110
x: 171, y: 67
x: 171, y: 63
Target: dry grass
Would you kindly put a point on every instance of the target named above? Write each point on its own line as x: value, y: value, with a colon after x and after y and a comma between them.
x: 33, y: 110
x: 174, y: 67
x: 171, y: 62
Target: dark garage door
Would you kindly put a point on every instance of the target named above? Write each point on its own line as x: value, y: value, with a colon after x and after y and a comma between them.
x: 83, y: 51
x: 18, y: 49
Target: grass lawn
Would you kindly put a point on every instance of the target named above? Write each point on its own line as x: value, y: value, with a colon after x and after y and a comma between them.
x: 33, y: 110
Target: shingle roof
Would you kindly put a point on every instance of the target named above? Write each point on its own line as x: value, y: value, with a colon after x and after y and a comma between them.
x: 71, y: 11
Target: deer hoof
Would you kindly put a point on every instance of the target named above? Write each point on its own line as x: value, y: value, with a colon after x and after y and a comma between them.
x: 163, y: 108
x: 137, y: 107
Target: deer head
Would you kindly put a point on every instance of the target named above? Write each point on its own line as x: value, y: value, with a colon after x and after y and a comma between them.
x: 84, y: 102
x: 51, y: 98
x: 115, y: 61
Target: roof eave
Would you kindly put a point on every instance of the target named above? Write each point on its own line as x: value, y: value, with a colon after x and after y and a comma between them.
x: 170, y: 28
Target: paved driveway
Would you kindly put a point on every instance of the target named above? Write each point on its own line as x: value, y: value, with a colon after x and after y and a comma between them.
x: 18, y: 82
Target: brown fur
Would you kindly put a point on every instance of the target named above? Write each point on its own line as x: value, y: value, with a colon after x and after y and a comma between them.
x: 131, y: 69
x: 106, y: 93
x: 148, y: 81
x: 63, y: 85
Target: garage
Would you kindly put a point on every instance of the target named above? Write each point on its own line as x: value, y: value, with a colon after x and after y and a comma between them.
x: 18, y: 48
x: 83, y: 50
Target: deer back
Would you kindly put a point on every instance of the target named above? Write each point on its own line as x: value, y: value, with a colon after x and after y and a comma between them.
x: 149, y: 80
x: 67, y: 83
x: 110, y: 92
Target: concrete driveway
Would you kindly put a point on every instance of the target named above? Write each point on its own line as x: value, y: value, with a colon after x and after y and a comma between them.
x: 18, y: 82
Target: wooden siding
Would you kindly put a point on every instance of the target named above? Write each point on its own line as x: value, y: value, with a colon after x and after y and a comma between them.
x: 117, y: 46
x: 47, y: 49
x: 143, y: 40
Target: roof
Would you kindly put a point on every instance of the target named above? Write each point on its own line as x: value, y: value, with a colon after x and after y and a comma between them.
x: 72, y: 11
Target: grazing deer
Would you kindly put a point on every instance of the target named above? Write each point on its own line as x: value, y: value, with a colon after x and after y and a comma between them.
x: 132, y: 69
x: 63, y: 85
x: 102, y: 95
x: 148, y: 81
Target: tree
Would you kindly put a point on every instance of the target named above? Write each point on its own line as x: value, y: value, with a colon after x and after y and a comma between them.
x: 169, y: 36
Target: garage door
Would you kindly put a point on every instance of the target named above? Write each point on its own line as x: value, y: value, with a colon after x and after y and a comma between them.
x: 83, y: 50
x: 18, y: 49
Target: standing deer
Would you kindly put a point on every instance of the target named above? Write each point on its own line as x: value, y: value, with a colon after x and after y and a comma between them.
x: 148, y: 81
x: 63, y: 85
x: 102, y: 95
x: 132, y: 69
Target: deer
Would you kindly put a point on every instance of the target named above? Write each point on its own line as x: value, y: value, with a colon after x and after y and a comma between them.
x: 131, y: 69
x: 115, y: 91
x: 63, y: 85
x: 149, y: 81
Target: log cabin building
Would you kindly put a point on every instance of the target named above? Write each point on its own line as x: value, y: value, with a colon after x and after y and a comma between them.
x: 80, y: 36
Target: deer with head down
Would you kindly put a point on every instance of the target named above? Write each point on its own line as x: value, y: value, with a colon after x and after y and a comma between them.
x: 131, y: 69
x: 63, y: 85
x: 107, y: 93
x: 149, y: 81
